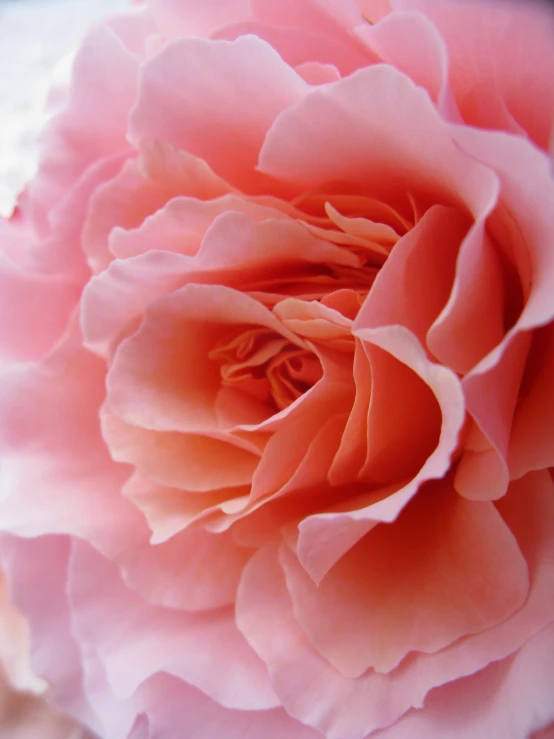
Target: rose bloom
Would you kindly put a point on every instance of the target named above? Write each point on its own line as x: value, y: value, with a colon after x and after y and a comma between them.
x: 277, y: 341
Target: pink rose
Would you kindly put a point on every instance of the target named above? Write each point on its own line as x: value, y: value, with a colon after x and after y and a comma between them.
x: 277, y: 415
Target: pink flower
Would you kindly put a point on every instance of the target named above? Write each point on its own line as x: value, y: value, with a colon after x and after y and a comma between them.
x: 277, y: 412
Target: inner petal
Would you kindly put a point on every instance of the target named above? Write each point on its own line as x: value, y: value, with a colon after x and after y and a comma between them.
x: 266, y: 365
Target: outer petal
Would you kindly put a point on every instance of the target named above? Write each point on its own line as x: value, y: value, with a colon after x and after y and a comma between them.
x: 169, y: 703
x: 477, y: 705
x: 386, y: 596
x: 57, y: 474
x: 224, y: 107
x: 349, y: 709
x: 505, y: 47
x: 375, y: 149
x: 136, y: 640
x: 523, y: 227
x: 94, y: 124
x: 196, y: 17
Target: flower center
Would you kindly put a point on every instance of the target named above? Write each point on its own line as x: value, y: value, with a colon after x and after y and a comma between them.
x: 266, y: 366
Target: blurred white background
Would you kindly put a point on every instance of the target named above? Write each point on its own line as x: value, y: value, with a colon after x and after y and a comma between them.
x: 38, y: 39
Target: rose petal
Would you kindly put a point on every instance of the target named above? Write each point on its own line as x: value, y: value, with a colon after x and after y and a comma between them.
x: 313, y: 691
x: 531, y: 439
x: 217, y: 82
x: 370, y: 108
x: 94, y: 124
x: 476, y: 705
x: 57, y: 474
x: 318, y: 547
x: 385, y: 597
x: 184, y: 461
x: 170, y: 703
x: 146, y: 639
x: 507, y: 47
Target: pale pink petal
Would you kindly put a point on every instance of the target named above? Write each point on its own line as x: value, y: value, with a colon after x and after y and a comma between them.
x: 299, y: 46
x: 315, y: 73
x: 313, y: 691
x: 36, y: 570
x: 505, y: 46
x: 144, y: 185
x: 146, y: 639
x: 135, y: 30
x: 181, y: 224
x: 224, y: 107
x: 196, y: 17
x: 27, y: 331
x: 375, y: 150
x: 333, y: 18
x: 57, y: 474
x: 412, y: 44
x: 94, y: 124
x: 375, y: 10
x: 51, y: 271
x: 168, y: 703
x: 193, y: 571
x: 385, y: 597
x: 509, y: 699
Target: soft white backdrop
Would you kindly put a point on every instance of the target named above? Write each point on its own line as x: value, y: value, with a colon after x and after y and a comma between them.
x: 37, y: 43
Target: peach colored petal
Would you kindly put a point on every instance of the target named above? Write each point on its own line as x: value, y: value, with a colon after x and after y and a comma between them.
x: 472, y: 322
x: 317, y: 548
x: 531, y: 440
x: 115, y: 300
x: 174, y: 385
x: 385, y: 597
x: 179, y: 460
x: 217, y: 82
x: 169, y: 510
x: 104, y: 78
x: 147, y: 639
x: 492, y: 386
x: 352, y: 451
x: 414, y: 284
